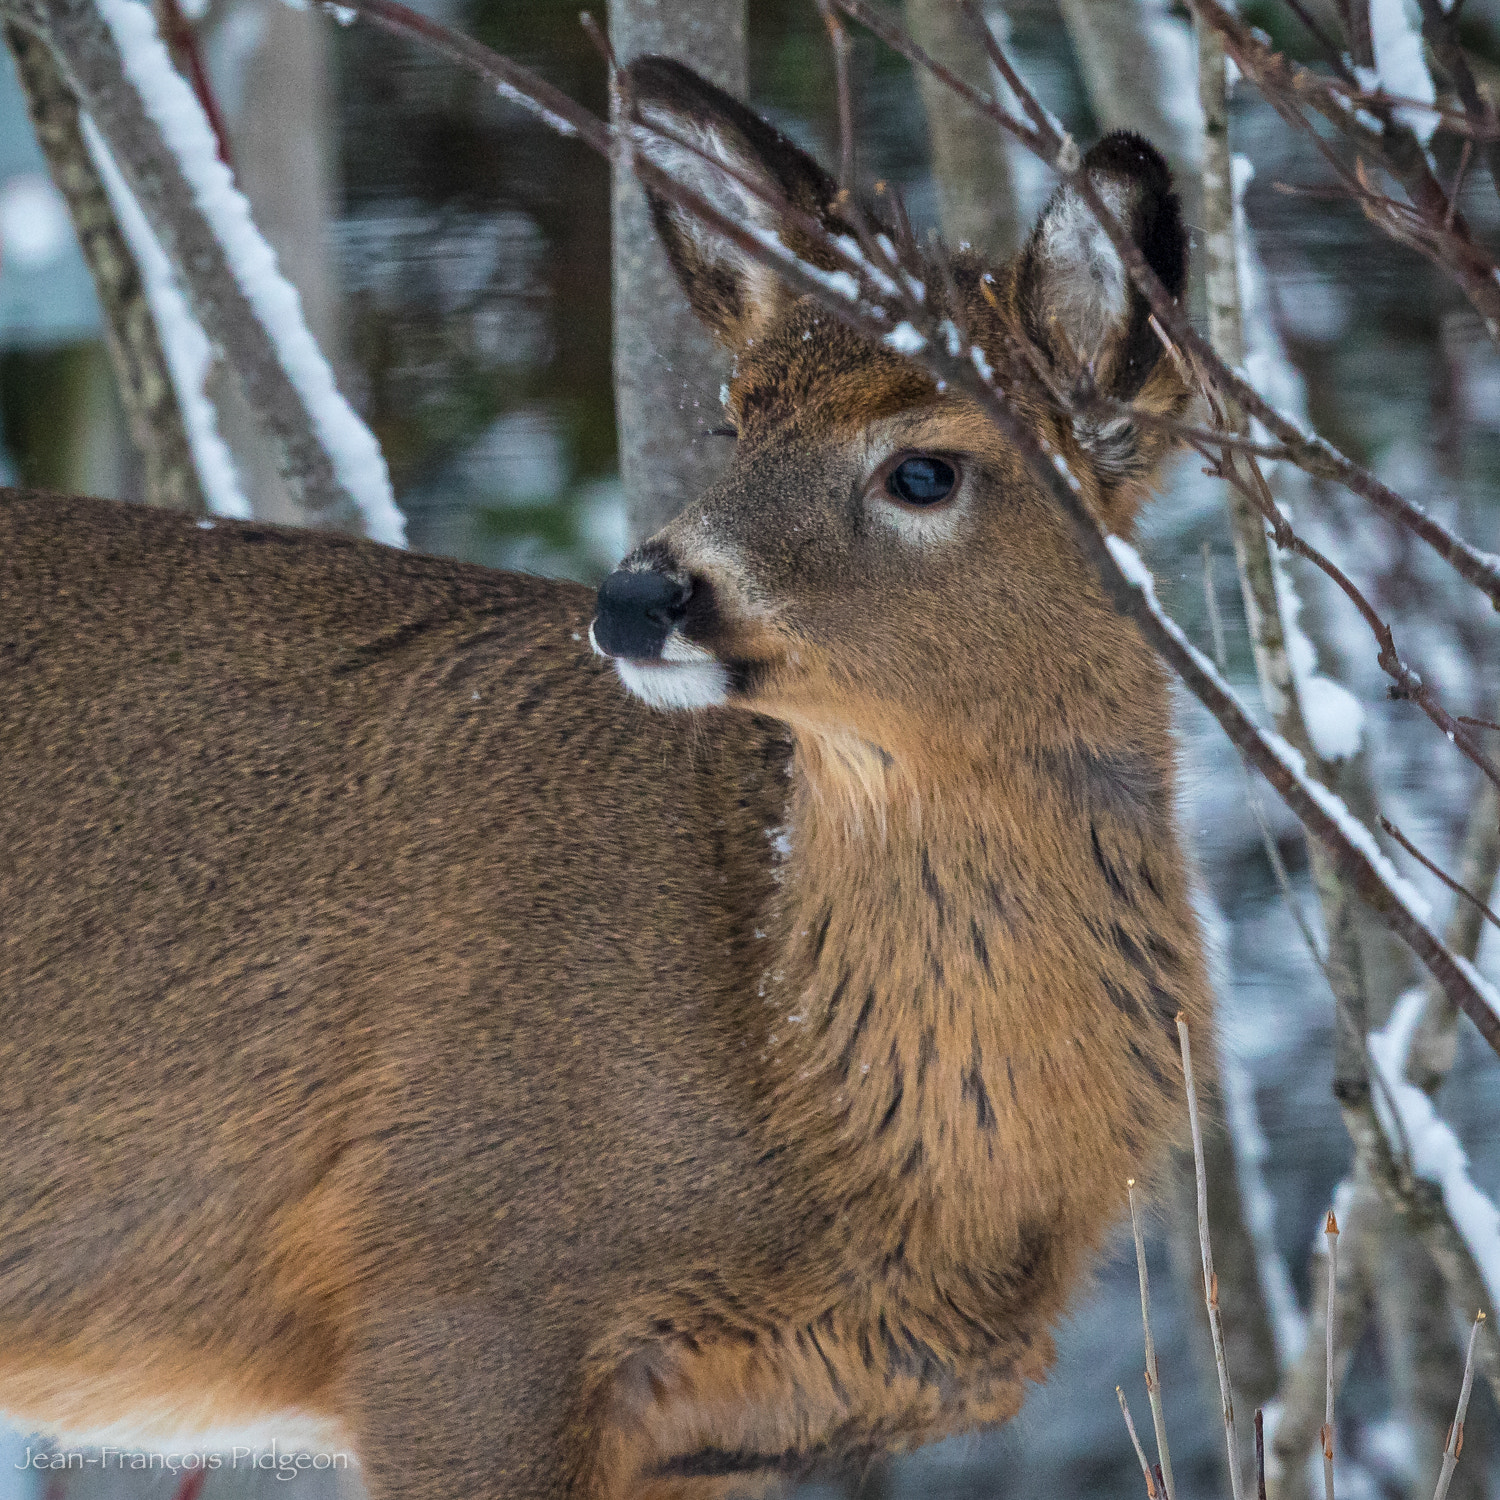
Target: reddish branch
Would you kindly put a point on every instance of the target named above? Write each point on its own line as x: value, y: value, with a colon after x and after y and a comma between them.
x: 1314, y: 455
x: 1461, y: 891
x: 183, y: 40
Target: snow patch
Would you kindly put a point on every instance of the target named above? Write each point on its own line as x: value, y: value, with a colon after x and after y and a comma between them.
x: 905, y: 339
x: 1401, y: 65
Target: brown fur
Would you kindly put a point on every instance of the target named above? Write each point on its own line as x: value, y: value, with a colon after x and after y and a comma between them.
x: 402, y: 1025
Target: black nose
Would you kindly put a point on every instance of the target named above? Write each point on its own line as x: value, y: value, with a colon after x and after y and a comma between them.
x: 637, y: 610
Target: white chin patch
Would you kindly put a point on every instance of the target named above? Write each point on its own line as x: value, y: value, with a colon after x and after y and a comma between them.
x: 675, y: 684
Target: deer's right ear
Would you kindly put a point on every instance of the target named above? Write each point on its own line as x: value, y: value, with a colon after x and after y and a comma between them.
x: 689, y: 126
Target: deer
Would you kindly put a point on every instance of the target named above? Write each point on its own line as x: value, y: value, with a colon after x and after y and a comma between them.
x: 657, y: 1043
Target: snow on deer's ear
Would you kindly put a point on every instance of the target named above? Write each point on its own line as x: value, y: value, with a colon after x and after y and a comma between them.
x: 689, y: 125
x: 1077, y: 301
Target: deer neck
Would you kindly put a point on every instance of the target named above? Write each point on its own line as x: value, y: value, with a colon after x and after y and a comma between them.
x: 973, y: 991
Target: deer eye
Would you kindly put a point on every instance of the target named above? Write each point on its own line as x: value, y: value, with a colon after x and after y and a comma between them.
x: 921, y: 480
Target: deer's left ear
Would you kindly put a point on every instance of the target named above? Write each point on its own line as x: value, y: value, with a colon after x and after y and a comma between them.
x: 691, y: 127
x: 1074, y: 296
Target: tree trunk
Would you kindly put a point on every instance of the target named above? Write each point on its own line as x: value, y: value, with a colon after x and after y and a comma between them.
x: 667, y: 370
x: 976, y: 195
x: 1127, y: 52
x: 280, y: 133
x: 141, y: 374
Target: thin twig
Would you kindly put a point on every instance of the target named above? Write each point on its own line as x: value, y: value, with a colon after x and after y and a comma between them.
x: 1394, y: 146
x: 1407, y: 685
x: 1284, y: 882
x: 1448, y: 880
x: 183, y: 39
x: 1455, y: 1444
x: 1211, y: 599
x: 1331, y: 1229
x: 1260, y: 1454
x: 1331, y: 49
x: 1210, y: 1280
x: 1153, y: 1374
x: 1135, y: 1441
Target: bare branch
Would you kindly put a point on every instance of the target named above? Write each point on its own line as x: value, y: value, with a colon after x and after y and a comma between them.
x: 839, y: 40
x: 1153, y: 1375
x: 1260, y: 1453
x: 1455, y: 1444
x: 1435, y: 229
x: 1440, y: 31
x: 1332, y: 1231
x: 1210, y: 1281
x: 1462, y: 892
x: 1435, y: 1040
x: 1140, y: 1452
x: 1315, y: 455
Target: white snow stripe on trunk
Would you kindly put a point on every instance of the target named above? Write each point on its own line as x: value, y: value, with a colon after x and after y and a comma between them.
x: 1436, y: 1153
x: 188, y: 353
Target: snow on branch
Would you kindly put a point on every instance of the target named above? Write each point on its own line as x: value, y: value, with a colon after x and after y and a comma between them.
x: 1409, y: 1114
x: 184, y: 344
x: 155, y: 131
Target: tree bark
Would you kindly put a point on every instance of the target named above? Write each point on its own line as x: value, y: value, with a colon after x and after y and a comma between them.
x: 91, y: 61
x: 280, y: 134
x: 976, y: 193
x: 141, y: 373
x: 668, y: 371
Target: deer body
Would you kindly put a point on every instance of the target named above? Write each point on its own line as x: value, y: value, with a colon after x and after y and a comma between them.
x: 406, y: 1029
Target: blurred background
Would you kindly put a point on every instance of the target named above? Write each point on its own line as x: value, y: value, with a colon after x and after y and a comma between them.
x: 454, y: 259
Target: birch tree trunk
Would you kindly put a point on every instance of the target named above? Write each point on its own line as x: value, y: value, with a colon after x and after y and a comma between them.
x: 667, y: 369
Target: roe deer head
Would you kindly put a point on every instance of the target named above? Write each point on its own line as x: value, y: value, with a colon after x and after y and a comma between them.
x: 549, y: 1091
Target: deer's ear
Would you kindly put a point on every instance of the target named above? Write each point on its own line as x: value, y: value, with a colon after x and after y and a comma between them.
x: 689, y: 126
x: 1073, y: 293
